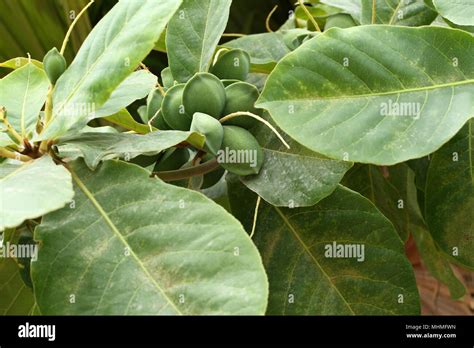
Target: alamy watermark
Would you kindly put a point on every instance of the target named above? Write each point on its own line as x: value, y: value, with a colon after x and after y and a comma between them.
x: 404, y: 109
x: 227, y: 155
x: 18, y: 251
x: 345, y: 251
x: 78, y: 109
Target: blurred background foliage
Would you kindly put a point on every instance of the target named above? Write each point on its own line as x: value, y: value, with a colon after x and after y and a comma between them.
x: 35, y: 26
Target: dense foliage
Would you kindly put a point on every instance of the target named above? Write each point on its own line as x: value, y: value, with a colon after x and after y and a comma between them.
x: 271, y: 173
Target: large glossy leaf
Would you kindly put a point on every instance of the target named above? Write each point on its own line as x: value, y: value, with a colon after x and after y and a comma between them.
x: 31, y: 190
x: 398, y: 12
x: 15, y: 297
x: 303, y: 280
x: 449, y: 205
x: 23, y: 93
x: 294, y: 177
x: 135, y: 245
x: 110, y: 53
x: 374, y: 94
x: 134, y: 87
x: 95, y: 147
x: 193, y: 34
x: 459, y: 11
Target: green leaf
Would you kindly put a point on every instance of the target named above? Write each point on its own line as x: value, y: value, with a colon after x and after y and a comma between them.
x: 410, y: 13
x: 160, y: 45
x: 295, y: 177
x: 395, y: 194
x: 5, y: 140
x: 32, y: 190
x: 387, y: 188
x: 267, y: 49
x: 467, y: 28
x: 95, y: 147
x: 305, y: 281
x: 112, y: 51
x: 193, y: 34
x: 263, y: 48
x: 9, y: 166
x: 19, y: 62
x: 436, y: 262
x: 373, y: 93
x: 318, y: 11
x: 449, y: 195
x: 352, y: 7
x: 23, y: 93
x: 460, y: 11
x: 15, y: 297
x: 125, y: 120
x: 128, y: 248
x: 134, y: 87
x: 430, y: 254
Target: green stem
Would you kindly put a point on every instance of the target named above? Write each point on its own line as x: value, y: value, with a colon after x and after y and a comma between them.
x: 373, y: 11
x: 14, y: 155
x: 255, y: 215
x: 310, y: 17
x: 48, y: 116
x: 181, y: 174
x: 267, y: 20
x: 265, y: 122
x: 68, y: 34
x: 10, y: 128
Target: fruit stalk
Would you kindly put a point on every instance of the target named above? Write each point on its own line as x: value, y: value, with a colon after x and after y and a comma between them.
x: 175, y: 175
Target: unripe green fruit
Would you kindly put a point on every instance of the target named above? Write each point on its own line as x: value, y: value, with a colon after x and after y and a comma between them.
x: 153, y: 103
x: 232, y: 65
x: 144, y: 161
x: 159, y: 122
x: 173, y: 159
x: 167, y: 78
x: 142, y: 113
x: 212, y: 178
x: 240, y: 152
x: 204, y: 93
x: 54, y: 65
x: 211, y: 129
x: 241, y: 96
x: 173, y: 109
x: 227, y: 83
x: 340, y: 20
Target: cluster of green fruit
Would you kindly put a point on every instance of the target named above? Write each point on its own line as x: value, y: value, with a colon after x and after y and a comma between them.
x: 200, y: 103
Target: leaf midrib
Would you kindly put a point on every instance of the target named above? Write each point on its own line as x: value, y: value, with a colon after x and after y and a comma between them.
x: 355, y: 96
x: 22, y: 116
x: 306, y: 249
x: 115, y: 230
